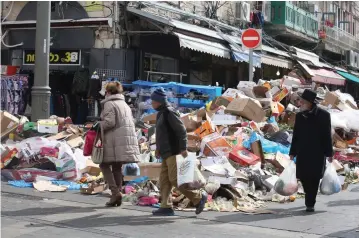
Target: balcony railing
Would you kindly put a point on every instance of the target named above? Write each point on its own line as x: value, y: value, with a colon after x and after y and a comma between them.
x: 293, y: 17
x: 341, y: 38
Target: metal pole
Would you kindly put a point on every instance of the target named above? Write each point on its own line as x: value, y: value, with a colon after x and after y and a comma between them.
x: 250, y: 65
x: 41, y: 90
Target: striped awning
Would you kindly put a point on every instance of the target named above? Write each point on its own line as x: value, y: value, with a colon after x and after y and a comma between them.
x: 276, y: 61
x: 327, y: 77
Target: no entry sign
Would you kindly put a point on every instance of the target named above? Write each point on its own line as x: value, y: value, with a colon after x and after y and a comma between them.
x: 251, y: 38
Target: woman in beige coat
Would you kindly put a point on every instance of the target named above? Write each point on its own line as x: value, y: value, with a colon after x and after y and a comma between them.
x: 120, y: 141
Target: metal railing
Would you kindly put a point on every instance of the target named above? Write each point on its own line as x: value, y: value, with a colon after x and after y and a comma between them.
x: 341, y: 38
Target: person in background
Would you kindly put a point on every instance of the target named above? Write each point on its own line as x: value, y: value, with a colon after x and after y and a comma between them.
x: 120, y: 143
x: 311, y: 145
x: 171, y: 140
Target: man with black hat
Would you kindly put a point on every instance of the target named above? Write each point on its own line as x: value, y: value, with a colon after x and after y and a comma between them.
x: 171, y: 140
x: 311, y: 145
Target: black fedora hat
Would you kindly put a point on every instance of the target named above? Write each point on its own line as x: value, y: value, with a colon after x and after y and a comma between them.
x: 309, y: 95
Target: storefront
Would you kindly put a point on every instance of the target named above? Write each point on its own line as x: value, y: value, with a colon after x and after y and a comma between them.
x: 72, y: 59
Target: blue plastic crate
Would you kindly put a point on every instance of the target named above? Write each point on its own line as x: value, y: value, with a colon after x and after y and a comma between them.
x: 211, y: 91
x: 190, y: 103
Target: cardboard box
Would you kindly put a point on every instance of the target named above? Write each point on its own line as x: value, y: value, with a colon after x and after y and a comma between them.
x: 204, y: 130
x: 8, y: 123
x: 331, y: 99
x: 277, y: 108
x: 150, y: 119
x: 194, y: 143
x: 48, y: 126
x: 152, y: 170
x: 217, y: 147
x: 243, y: 157
x: 191, y: 122
x: 291, y: 119
x: 247, y: 108
x: 260, y: 91
x: 233, y: 93
x: 281, y: 95
x: 256, y: 148
x: 93, y: 190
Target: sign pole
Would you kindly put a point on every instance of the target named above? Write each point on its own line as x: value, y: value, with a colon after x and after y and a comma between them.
x: 250, y: 65
x: 40, y: 107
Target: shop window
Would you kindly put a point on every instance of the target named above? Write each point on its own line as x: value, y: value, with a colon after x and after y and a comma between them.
x: 156, y: 63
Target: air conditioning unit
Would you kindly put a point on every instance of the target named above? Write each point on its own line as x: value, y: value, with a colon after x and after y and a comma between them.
x: 267, y: 11
x: 243, y: 11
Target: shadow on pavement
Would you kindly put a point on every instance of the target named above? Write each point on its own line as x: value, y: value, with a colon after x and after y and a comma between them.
x: 278, y: 213
x: 344, y: 234
x: 354, y: 202
x: 100, y: 221
x: 49, y: 211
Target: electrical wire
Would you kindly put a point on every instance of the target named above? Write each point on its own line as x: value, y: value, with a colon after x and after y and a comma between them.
x: 91, y: 5
x: 3, y: 36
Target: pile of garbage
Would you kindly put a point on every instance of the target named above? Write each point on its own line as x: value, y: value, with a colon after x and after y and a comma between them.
x: 239, y: 143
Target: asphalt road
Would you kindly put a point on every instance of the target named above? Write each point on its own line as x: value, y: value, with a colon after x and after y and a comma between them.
x: 28, y: 213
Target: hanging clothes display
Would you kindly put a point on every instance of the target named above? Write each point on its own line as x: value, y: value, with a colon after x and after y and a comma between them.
x: 14, y: 93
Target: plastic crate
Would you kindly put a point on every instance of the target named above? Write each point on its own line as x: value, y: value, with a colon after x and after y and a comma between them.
x: 191, y: 103
x: 211, y: 91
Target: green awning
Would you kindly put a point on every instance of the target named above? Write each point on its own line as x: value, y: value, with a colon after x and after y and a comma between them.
x: 349, y: 76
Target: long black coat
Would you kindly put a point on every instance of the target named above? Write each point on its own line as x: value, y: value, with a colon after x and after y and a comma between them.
x: 312, y: 143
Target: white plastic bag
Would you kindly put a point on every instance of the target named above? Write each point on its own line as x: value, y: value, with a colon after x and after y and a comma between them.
x: 330, y: 183
x: 287, y: 183
x: 188, y: 174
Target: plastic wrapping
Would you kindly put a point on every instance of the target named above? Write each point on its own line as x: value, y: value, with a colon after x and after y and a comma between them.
x: 347, y: 119
x: 131, y: 169
x: 267, y: 145
x: 330, y: 183
x: 287, y: 183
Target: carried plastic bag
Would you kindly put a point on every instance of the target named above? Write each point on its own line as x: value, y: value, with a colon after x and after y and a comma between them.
x: 287, y: 183
x: 188, y: 175
x: 330, y: 183
x: 131, y: 169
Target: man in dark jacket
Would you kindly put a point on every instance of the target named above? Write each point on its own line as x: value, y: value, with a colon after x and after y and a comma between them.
x: 171, y: 140
x: 311, y: 144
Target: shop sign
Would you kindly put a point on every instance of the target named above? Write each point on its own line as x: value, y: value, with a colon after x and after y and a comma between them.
x: 56, y: 57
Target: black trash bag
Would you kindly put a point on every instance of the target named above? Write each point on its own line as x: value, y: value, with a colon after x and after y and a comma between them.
x: 283, y: 137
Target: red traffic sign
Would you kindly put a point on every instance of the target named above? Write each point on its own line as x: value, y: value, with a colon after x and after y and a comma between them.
x: 251, y: 38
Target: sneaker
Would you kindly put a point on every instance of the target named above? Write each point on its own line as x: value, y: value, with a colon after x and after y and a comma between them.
x: 163, y: 212
x: 202, y: 203
x: 310, y: 209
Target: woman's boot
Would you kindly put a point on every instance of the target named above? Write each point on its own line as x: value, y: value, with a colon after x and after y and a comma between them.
x: 116, y: 200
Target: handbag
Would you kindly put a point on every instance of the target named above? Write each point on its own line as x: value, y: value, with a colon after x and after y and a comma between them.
x: 97, y: 150
x: 89, y: 142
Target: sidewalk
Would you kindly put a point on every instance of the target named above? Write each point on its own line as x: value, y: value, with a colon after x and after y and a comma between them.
x: 336, y: 216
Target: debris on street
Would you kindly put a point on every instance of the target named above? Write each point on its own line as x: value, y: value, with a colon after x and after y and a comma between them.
x: 239, y: 140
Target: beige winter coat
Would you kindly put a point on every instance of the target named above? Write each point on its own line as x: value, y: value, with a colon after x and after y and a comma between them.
x: 120, y: 143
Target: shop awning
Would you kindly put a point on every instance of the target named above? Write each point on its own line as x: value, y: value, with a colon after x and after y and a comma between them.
x: 308, y: 56
x: 242, y: 56
x: 186, y: 33
x: 275, y: 61
x: 349, y: 76
x: 204, y: 46
x: 327, y: 77
x: 306, y: 68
